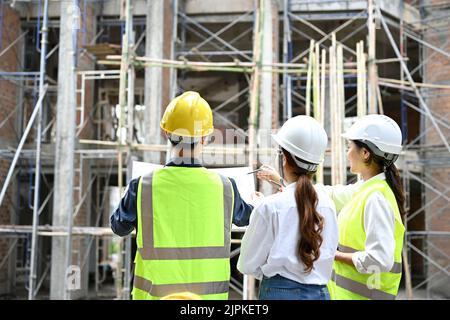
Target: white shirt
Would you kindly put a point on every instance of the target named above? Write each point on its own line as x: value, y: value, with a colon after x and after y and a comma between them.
x: 379, y: 224
x: 269, y: 245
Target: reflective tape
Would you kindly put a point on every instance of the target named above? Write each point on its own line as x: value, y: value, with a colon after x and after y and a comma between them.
x: 396, y: 268
x: 345, y: 249
x: 359, y: 288
x: 161, y: 290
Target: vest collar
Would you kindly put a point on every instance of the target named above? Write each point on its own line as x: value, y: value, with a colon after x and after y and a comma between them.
x: 184, y: 162
x: 380, y: 176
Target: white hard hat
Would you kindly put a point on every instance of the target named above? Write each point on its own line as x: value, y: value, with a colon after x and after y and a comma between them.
x: 378, y: 132
x: 305, y: 139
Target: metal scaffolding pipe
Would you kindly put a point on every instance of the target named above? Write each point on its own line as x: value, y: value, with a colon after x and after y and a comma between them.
x: 37, y: 172
x: 21, y: 143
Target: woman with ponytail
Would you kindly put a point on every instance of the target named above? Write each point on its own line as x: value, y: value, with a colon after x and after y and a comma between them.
x: 369, y: 258
x: 292, y: 237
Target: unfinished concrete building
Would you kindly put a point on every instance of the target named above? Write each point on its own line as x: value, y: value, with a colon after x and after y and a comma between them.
x: 83, y: 84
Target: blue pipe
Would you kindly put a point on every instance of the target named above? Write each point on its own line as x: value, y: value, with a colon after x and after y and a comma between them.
x: 404, y: 117
x: 74, y: 35
x: 38, y: 27
x: 350, y: 85
x: 30, y: 188
x: 84, y: 27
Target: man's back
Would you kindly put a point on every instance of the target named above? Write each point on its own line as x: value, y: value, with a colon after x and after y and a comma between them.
x: 183, y: 234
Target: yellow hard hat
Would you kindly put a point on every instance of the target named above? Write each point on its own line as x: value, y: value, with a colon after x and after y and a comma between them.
x: 188, y: 115
x: 182, y: 296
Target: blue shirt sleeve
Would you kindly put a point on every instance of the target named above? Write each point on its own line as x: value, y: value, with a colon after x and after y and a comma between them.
x: 124, y: 218
x: 241, y: 210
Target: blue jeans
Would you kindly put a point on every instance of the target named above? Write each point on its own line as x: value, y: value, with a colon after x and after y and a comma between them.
x: 280, y: 288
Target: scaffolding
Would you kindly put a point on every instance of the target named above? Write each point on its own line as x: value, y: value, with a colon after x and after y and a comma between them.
x: 199, y: 45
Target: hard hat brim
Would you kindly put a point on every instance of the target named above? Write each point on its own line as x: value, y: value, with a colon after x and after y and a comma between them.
x: 185, y: 133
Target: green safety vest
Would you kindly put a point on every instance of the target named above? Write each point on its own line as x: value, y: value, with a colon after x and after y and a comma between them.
x: 183, y: 234
x: 346, y: 282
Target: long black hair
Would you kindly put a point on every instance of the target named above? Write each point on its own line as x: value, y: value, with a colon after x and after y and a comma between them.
x: 392, y: 175
x: 311, y: 222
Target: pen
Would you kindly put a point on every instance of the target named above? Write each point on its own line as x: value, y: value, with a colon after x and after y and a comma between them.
x: 255, y: 171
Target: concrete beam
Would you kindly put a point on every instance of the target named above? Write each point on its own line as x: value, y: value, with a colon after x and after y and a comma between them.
x: 110, y: 8
x: 218, y: 6
x: 235, y: 7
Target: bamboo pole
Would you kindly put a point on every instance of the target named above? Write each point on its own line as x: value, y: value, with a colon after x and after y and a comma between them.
x: 317, y: 100
x: 322, y: 88
x: 332, y: 76
x: 361, y: 80
x: 380, y: 101
x: 308, y: 79
x: 340, y: 114
x: 316, y: 82
x: 191, y: 66
x: 337, y: 102
x: 358, y: 79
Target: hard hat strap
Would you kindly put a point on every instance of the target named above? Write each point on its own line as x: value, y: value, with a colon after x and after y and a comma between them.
x: 175, y: 139
x: 312, y: 167
x: 389, y: 158
x: 308, y: 166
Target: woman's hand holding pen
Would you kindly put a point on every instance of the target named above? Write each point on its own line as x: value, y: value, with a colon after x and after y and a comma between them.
x: 268, y: 173
x: 271, y: 175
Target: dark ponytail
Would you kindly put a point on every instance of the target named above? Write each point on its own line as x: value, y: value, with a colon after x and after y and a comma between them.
x: 395, y: 182
x: 392, y: 176
x: 310, y: 221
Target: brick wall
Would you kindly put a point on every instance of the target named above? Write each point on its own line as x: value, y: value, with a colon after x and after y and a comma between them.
x: 10, y: 29
x: 8, y: 62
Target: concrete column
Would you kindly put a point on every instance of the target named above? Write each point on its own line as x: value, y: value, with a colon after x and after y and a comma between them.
x: 153, y: 77
x: 64, y: 150
x: 268, y: 116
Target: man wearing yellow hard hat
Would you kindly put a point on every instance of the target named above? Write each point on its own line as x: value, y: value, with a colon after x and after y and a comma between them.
x: 182, y: 213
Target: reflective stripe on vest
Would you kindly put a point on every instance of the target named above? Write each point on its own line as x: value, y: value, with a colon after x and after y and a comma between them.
x: 149, y: 252
x: 200, y: 288
x: 396, y: 268
x: 359, y: 288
